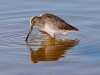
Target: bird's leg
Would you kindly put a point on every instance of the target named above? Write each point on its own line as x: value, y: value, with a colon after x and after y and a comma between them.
x: 49, y: 34
x: 44, y: 32
x: 52, y: 36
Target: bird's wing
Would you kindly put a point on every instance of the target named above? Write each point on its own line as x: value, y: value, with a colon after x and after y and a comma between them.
x: 58, y: 23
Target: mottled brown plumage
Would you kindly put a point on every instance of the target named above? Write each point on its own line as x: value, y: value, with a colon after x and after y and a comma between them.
x: 50, y: 24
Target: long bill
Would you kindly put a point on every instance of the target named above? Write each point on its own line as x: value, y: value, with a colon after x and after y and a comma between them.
x: 29, y: 32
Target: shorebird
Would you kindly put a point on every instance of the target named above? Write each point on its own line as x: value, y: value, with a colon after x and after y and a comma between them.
x: 50, y: 24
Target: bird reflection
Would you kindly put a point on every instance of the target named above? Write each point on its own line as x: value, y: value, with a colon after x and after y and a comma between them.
x: 50, y: 49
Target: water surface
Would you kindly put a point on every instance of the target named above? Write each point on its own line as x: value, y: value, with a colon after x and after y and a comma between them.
x: 76, y: 53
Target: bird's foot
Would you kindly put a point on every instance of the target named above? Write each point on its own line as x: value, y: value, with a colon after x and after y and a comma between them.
x: 52, y: 36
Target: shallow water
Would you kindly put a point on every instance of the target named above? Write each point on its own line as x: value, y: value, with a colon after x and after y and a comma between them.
x: 76, y: 53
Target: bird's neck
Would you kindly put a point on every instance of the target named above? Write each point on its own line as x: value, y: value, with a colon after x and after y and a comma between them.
x: 41, y: 23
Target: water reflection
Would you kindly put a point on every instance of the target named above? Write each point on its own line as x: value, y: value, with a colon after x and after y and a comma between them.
x: 50, y: 49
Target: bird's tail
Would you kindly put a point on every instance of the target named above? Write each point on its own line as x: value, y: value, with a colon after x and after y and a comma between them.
x: 73, y: 28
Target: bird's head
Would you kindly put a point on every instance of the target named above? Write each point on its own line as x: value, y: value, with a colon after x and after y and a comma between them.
x: 33, y: 21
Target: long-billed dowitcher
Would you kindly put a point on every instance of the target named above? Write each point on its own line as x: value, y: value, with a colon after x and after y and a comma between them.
x: 50, y: 24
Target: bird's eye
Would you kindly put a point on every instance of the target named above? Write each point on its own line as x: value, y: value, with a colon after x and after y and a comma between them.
x: 33, y: 21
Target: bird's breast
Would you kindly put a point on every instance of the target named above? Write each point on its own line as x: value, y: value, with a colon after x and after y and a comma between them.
x: 49, y: 28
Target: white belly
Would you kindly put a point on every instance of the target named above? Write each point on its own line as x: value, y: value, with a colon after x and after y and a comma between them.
x: 51, y: 30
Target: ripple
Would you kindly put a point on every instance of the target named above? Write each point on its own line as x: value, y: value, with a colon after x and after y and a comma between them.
x: 10, y: 44
x: 89, y: 41
x: 10, y: 40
